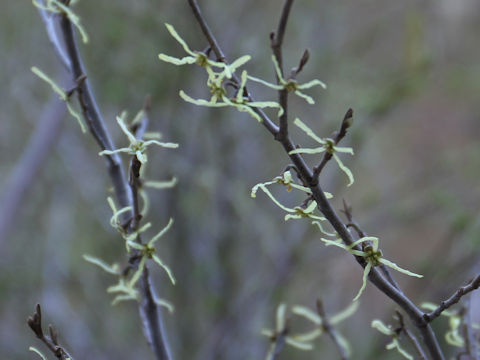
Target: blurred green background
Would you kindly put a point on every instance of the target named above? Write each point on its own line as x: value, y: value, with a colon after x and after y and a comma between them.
x: 409, y: 69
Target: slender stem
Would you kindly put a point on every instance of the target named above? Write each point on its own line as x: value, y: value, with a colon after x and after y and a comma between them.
x: 149, y: 311
x: 331, y: 332
x: 35, y: 323
x: 277, y: 344
x: 347, y: 210
x: 346, y: 123
x: 276, y: 45
x: 266, y: 121
x: 324, y: 206
x: 92, y: 114
x: 410, y: 336
x: 455, y: 298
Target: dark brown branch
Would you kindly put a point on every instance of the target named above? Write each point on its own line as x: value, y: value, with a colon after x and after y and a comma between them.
x: 346, y: 123
x: 35, y: 323
x: 473, y: 284
x: 330, y: 330
x: 325, y: 207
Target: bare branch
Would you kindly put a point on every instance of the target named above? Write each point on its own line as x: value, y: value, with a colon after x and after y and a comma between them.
x: 346, y: 123
x: 35, y: 323
x: 473, y: 284
x: 276, y: 41
x: 410, y: 336
x: 277, y: 342
x: 330, y: 330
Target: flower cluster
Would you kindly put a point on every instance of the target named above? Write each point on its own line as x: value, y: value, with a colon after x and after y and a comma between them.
x: 136, y: 147
x: 304, y: 341
x: 290, y: 84
x: 372, y: 255
x: 327, y: 145
x: 298, y: 212
x: 125, y: 288
x: 395, y: 344
x: 220, y: 73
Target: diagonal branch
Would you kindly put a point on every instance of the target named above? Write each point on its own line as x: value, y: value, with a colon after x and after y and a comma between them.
x: 347, y: 210
x: 331, y: 332
x: 326, y: 208
x: 346, y: 123
x: 212, y: 41
x: 403, y: 328
x: 473, y: 284
x: 35, y: 323
x: 276, y: 41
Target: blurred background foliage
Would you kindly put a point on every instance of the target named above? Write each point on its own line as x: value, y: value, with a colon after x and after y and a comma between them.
x: 409, y: 69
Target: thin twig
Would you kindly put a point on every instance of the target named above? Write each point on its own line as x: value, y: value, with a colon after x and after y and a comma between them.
x: 35, y: 323
x: 149, y: 311
x: 470, y: 344
x: 92, y: 115
x: 266, y: 121
x: 347, y: 210
x: 346, y: 123
x: 277, y: 343
x: 325, y: 207
x: 330, y: 330
x: 410, y: 336
x: 473, y: 284
x: 276, y: 41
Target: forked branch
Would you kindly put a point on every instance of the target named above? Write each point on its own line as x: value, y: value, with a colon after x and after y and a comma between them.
x: 308, y: 178
x: 51, y: 341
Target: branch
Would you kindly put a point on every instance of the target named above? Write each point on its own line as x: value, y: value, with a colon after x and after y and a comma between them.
x: 35, y: 323
x: 277, y: 343
x: 325, y: 207
x: 331, y: 332
x: 70, y: 56
x: 212, y: 41
x: 410, y: 336
x: 346, y: 123
x: 276, y: 41
x: 149, y: 311
x: 473, y: 284
x: 347, y: 210
x: 92, y: 114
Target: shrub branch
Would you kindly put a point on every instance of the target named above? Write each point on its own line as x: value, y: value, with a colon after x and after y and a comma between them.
x: 51, y: 341
x: 65, y: 46
x: 308, y: 178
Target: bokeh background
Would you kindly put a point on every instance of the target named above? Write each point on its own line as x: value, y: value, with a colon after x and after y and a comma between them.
x: 409, y: 69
